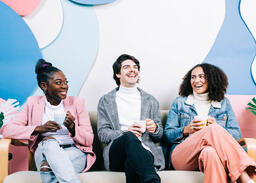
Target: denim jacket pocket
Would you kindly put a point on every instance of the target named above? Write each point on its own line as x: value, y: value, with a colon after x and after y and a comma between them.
x: 185, y: 119
x: 221, y: 119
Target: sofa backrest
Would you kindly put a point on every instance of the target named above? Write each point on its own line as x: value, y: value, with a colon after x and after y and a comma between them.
x: 98, y: 147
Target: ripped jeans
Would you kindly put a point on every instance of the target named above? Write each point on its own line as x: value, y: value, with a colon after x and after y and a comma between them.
x: 65, y: 163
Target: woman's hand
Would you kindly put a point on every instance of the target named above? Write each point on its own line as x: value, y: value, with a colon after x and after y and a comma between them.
x: 136, y: 129
x: 69, y: 123
x: 150, y: 126
x: 211, y: 120
x: 194, y: 126
x: 49, y: 126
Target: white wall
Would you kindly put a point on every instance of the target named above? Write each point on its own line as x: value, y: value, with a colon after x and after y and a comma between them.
x: 168, y: 37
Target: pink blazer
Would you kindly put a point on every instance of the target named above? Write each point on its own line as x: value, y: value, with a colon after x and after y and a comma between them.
x: 24, y: 123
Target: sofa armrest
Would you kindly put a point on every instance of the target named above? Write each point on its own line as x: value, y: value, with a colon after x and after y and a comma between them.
x: 4, y: 157
x: 250, y: 145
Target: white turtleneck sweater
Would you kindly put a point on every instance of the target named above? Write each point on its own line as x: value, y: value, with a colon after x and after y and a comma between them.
x: 202, y: 104
x: 128, y: 102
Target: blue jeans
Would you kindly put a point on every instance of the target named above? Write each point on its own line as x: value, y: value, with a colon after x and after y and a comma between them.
x: 65, y: 163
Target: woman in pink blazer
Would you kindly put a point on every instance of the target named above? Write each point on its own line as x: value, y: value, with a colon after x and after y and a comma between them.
x: 57, y: 127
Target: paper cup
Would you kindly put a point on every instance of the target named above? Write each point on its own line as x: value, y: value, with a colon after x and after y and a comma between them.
x: 143, y: 124
x: 59, y: 117
x: 202, y: 119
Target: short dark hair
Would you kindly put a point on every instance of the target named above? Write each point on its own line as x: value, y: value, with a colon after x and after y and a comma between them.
x: 117, y: 65
x: 45, y: 71
x: 216, y: 78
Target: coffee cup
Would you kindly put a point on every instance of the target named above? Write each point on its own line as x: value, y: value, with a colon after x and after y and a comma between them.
x: 202, y: 120
x: 142, y: 123
x: 59, y: 117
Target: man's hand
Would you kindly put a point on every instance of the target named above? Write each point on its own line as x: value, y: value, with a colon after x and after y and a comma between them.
x: 150, y: 126
x: 136, y: 129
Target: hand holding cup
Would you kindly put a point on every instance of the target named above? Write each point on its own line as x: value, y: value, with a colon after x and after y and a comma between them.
x: 142, y: 125
x: 201, y: 121
x: 135, y: 128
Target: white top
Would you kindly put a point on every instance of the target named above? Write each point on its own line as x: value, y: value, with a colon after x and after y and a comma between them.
x: 57, y: 113
x: 202, y: 104
x: 128, y: 102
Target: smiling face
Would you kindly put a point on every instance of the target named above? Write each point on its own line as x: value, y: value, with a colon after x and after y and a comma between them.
x: 56, y: 89
x: 129, y: 74
x: 198, y: 81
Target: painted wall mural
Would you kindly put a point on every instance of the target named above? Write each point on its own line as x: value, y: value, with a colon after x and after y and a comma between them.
x: 93, y: 2
x: 22, y: 7
x: 234, y: 51
x: 43, y: 32
x: 81, y: 36
x: 18, y: 52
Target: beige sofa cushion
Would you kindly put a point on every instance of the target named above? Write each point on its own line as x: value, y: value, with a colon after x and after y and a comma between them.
x: 170, y: 176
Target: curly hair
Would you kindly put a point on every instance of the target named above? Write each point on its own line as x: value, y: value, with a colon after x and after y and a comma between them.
x: 117, y: 65
x: 216, y: 78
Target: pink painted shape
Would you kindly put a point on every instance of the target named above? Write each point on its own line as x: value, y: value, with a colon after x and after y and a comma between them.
x: 19, y: 161
x: 22, y: 7
x: 246, y: 119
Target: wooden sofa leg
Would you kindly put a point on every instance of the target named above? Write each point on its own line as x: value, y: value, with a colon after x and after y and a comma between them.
x: 4, y: 157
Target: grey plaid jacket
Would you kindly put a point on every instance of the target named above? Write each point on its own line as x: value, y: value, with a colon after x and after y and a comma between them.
x: 109, y: 127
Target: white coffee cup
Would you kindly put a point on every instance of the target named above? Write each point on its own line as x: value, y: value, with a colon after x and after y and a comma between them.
x: 142, y: 123
x: 202, y: 119
x: 59, y: 117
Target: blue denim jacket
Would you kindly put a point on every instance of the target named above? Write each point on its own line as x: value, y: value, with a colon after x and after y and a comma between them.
x: 182, y: 112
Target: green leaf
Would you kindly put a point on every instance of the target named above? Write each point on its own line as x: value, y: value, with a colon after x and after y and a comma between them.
x: 254, y: 112
x: 250, y: 104
x: 1, y: 123
x: 251, y: 108
x: 1, y: 116
x: 254, y: 100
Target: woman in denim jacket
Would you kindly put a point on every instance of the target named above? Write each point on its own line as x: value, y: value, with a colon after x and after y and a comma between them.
x: 212, y: 149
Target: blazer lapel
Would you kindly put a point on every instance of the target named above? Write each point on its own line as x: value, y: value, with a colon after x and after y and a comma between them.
x: 145, y: 103
x: 112, y: 110
x: 67, y: 104
x: 39, y: 111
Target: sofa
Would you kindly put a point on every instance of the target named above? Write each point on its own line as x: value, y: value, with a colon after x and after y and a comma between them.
x: 97, y: 172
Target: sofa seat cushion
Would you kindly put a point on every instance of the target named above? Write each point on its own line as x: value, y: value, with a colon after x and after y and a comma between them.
x: 168, y: 176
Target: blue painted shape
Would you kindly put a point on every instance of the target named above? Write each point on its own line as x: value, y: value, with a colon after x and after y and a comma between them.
x: 19, y: 52
x: 75, y: 49
x: 93, y: 2
x: 234, y: 51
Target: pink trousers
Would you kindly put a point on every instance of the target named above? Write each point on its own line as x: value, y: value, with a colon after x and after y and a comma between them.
x: 213, y: 151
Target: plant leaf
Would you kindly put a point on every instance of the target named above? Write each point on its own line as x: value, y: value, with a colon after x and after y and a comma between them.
x: 254, y: 112
x: 250, y: 104
x: 1, y: 116
x: 254, y: 100
x: 251, y: 108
